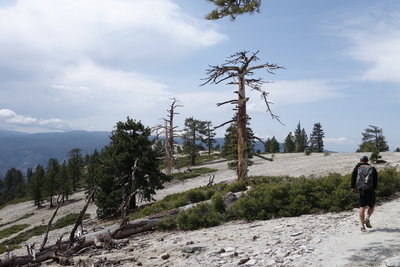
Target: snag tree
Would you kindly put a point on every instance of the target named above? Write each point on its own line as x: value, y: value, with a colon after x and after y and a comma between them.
x: 237, y: 70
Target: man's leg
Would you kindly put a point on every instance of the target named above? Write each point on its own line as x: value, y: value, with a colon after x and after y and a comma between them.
x: 361, y: 213
x: 370, y: 211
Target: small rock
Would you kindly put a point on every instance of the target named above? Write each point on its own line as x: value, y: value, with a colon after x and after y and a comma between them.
x: 139, y: 263
x: 191, y: 249
x: 165, y: 256
x: 222, y: 250
x: 189, y: 243
x: 235, y: 254
x: 392, y: 262
x: 296, y: 234
x: 255, y: 237
x: 243, y: 261
x: 251, y: 262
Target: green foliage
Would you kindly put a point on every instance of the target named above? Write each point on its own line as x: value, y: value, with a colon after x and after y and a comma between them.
x: 191, y: 173
x: 129, y: 142
x: 194, y: 133
x: 217, y: 201
x: 388, y: 183
x: 12, y: 230
x: 200, y: 216
x: 308, y: 151
x: 232, y: 8
x: 376, y: 157
x: 300, y: 139
x: 185, y: 162
x: 289, y: 145
x: 372, y: 140
x: 316, y: 138
x: 166, y: 224
x: 14, y: 242
x: 68, y: 220
x: 281, y: 197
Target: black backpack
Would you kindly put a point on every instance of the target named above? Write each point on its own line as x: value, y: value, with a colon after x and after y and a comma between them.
x: 364, y: 177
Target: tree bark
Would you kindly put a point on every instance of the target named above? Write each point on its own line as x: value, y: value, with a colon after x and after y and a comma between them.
x: 242, y: 131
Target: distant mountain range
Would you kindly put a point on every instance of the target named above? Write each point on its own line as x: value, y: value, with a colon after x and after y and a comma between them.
x: 23, y: 151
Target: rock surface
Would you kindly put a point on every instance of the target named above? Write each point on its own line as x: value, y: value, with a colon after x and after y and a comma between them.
x: 331, y: 239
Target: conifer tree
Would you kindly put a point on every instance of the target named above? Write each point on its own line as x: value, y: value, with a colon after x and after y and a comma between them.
x: 274, y: 146
x: 316, y: 138
x: 75, y: 166
x: 14, y: 184
x: 51, y: 179
x: 36, y: 185
x: 372, y: 140
x: 289, y: 145
x: 300, y: 139
x: 129, y: 146
x: 193, y: 137
x: 232, y: 8
x: 267, y: 145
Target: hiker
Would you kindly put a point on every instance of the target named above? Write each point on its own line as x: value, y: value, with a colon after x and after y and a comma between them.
x: 364, y: 181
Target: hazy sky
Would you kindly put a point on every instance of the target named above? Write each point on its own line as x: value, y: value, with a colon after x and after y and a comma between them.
x: 86, y: 64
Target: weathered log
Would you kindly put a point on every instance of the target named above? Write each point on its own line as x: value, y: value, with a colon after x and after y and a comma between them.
x: 64, y: 250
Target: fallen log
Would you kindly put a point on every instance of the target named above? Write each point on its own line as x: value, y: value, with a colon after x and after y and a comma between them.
x: 63, y: 251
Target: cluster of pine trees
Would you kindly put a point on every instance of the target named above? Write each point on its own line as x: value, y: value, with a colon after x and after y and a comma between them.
x: 298, y: 141
x: 56, y: 180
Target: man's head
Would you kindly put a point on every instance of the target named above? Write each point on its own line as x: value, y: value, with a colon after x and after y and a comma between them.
x: 364, y: 158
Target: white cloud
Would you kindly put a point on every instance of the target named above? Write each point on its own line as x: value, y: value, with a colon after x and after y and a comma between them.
x: 375, y: 40
x: 118, y: 31
x: 294, y: 92
x: 12, y: 120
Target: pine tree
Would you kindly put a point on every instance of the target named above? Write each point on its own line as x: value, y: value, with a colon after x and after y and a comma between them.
x: 75, y: 166
x: 372, y: 140
x: 316, y: 138
x: 129, y: 144
x: 267, y: 145
x: 232, y: 8
x: 14, y: 184
x: 51, y: 179
x: 36, y: 185
x: 193, y: 136
x: 64, y: 177
x: 300, y: 139
x: 289, y: 145
x: 274, y: 146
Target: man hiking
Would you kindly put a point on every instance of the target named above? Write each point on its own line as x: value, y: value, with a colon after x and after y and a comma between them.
x: 364, y: 180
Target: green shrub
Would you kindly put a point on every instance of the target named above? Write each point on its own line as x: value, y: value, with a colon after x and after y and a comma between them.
x: 191, y: 173
x: 166, y: 224
x: 217, y: 201
x: 236, y: 187
x: 200, y: 216
x: 12, y: 230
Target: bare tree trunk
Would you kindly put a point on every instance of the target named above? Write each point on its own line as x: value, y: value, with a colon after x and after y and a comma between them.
x: 169, y: 145
x: 242, y: 132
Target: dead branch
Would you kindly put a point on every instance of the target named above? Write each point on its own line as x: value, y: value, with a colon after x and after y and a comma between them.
x: 79, y: 220
x: 262, y: 157
x: 223, y: 124
x: 49, y: 224
x: 233, y: 101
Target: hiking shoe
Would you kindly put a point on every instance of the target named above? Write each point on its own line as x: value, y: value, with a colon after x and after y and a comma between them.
x: 363, y: 229
x: 367, y: 223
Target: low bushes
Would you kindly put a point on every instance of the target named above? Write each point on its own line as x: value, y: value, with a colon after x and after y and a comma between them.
x: 272, y: 197
x: 191, y: 173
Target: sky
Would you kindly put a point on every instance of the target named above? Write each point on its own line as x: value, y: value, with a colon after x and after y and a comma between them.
x: 87, y: 64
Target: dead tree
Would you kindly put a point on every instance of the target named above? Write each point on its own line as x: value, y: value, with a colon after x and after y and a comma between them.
x: 237, y: 70
x: 170, y: 132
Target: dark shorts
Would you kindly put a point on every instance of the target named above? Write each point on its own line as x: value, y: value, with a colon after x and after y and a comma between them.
x: 366, y: 198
